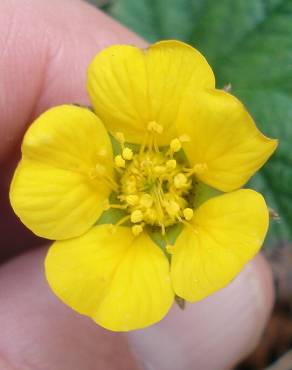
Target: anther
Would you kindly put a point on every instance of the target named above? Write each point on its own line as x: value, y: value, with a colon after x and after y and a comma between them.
x: 106, y: 205
x: 188, y: 213
x: 132, y: 200
x: 137, y: 229
x: 171, y: 164
x: 119, y: 161
x: 159, y: 169
x: 175, y: 145
x: 146, y: 163
x: 172, y: 208
x: 184, y: 138
x: 127, y: 154
x: 180, y: 180
x: 131, y: 186
x: 120, y: 137
x: 146, y: 200
x: 154, y: 127
x: 200, y: 167
x: 151, y: 215
x: 136, y: 216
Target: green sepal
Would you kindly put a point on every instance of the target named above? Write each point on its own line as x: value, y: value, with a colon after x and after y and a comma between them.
x: 181, y: 302
x: 203, y: 193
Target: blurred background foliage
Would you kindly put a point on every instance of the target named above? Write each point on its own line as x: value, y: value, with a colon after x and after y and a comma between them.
x: 249, y: 45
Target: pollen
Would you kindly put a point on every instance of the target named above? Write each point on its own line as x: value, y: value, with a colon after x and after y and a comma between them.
x: 200, y: 167
x: 119, y: 161
x: 120, y: 137
x: 159, y: 169
x: 155, y: 127
x: 136, y: 216
x: 146, y: 200
x: 156, y: 188
x: 184, y: 138
x: 132, y: 199
x: 180, y: 180
x: 171, y: 164
x: 188, y: 214
x: 137, y: 229
x: 106, y: 205
x: 173, y: 208
x: 175, y: 145
x: 127, y: 154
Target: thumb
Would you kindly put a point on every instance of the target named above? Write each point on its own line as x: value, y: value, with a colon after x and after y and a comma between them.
x: 214, y: 334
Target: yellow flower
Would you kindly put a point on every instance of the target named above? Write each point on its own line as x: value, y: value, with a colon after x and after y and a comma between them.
x: 192, y: 139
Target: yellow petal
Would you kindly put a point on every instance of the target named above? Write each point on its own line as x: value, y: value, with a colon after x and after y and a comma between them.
x: 228, y: 231
x: 120, y: 281
x: 55, y: 190
x: 130, y: 87
x: 223, y: 138
x: 68, y: 137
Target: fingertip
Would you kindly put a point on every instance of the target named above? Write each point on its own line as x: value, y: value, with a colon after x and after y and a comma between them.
x: 4, y: 365
x: 215, y: 333
x: 40, y: 332
x: 46, y: 47
x: 45, y: 50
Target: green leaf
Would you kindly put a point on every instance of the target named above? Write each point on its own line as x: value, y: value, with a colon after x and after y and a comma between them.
x: 249, y: 44
x: 274, y: 112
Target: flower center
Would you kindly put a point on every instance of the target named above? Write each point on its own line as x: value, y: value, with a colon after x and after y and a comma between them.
x: 156, y: 187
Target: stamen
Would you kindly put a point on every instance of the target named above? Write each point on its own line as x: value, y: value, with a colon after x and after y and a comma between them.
x: 188, y: 213
x: 132, y: 200
x: 190, y: 226
x: 144, y: 144
x: 106, y: 205
x: 172, y: 208
x: 197, y: 169
x: 118, y: 206
x: 119, y: 161
x: 110, y: 182
x: 171, y: 164
x: 200, y: 167
x: 127, y: 154
x: 180, y: 180
x: 98, y: 173
x: 155, y: 127
x: 159, y: 169
x: 156, y: 147
x: 184, y: 138
x: 137, y: 229
x: 175, y: 145
x: 153, y: 186
x: 146, y: 200
x: 136, y: 216
x: 120, y: 137
x: 122, y: 220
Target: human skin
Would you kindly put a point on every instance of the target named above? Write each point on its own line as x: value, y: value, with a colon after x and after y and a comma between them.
x: 45, y: 49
